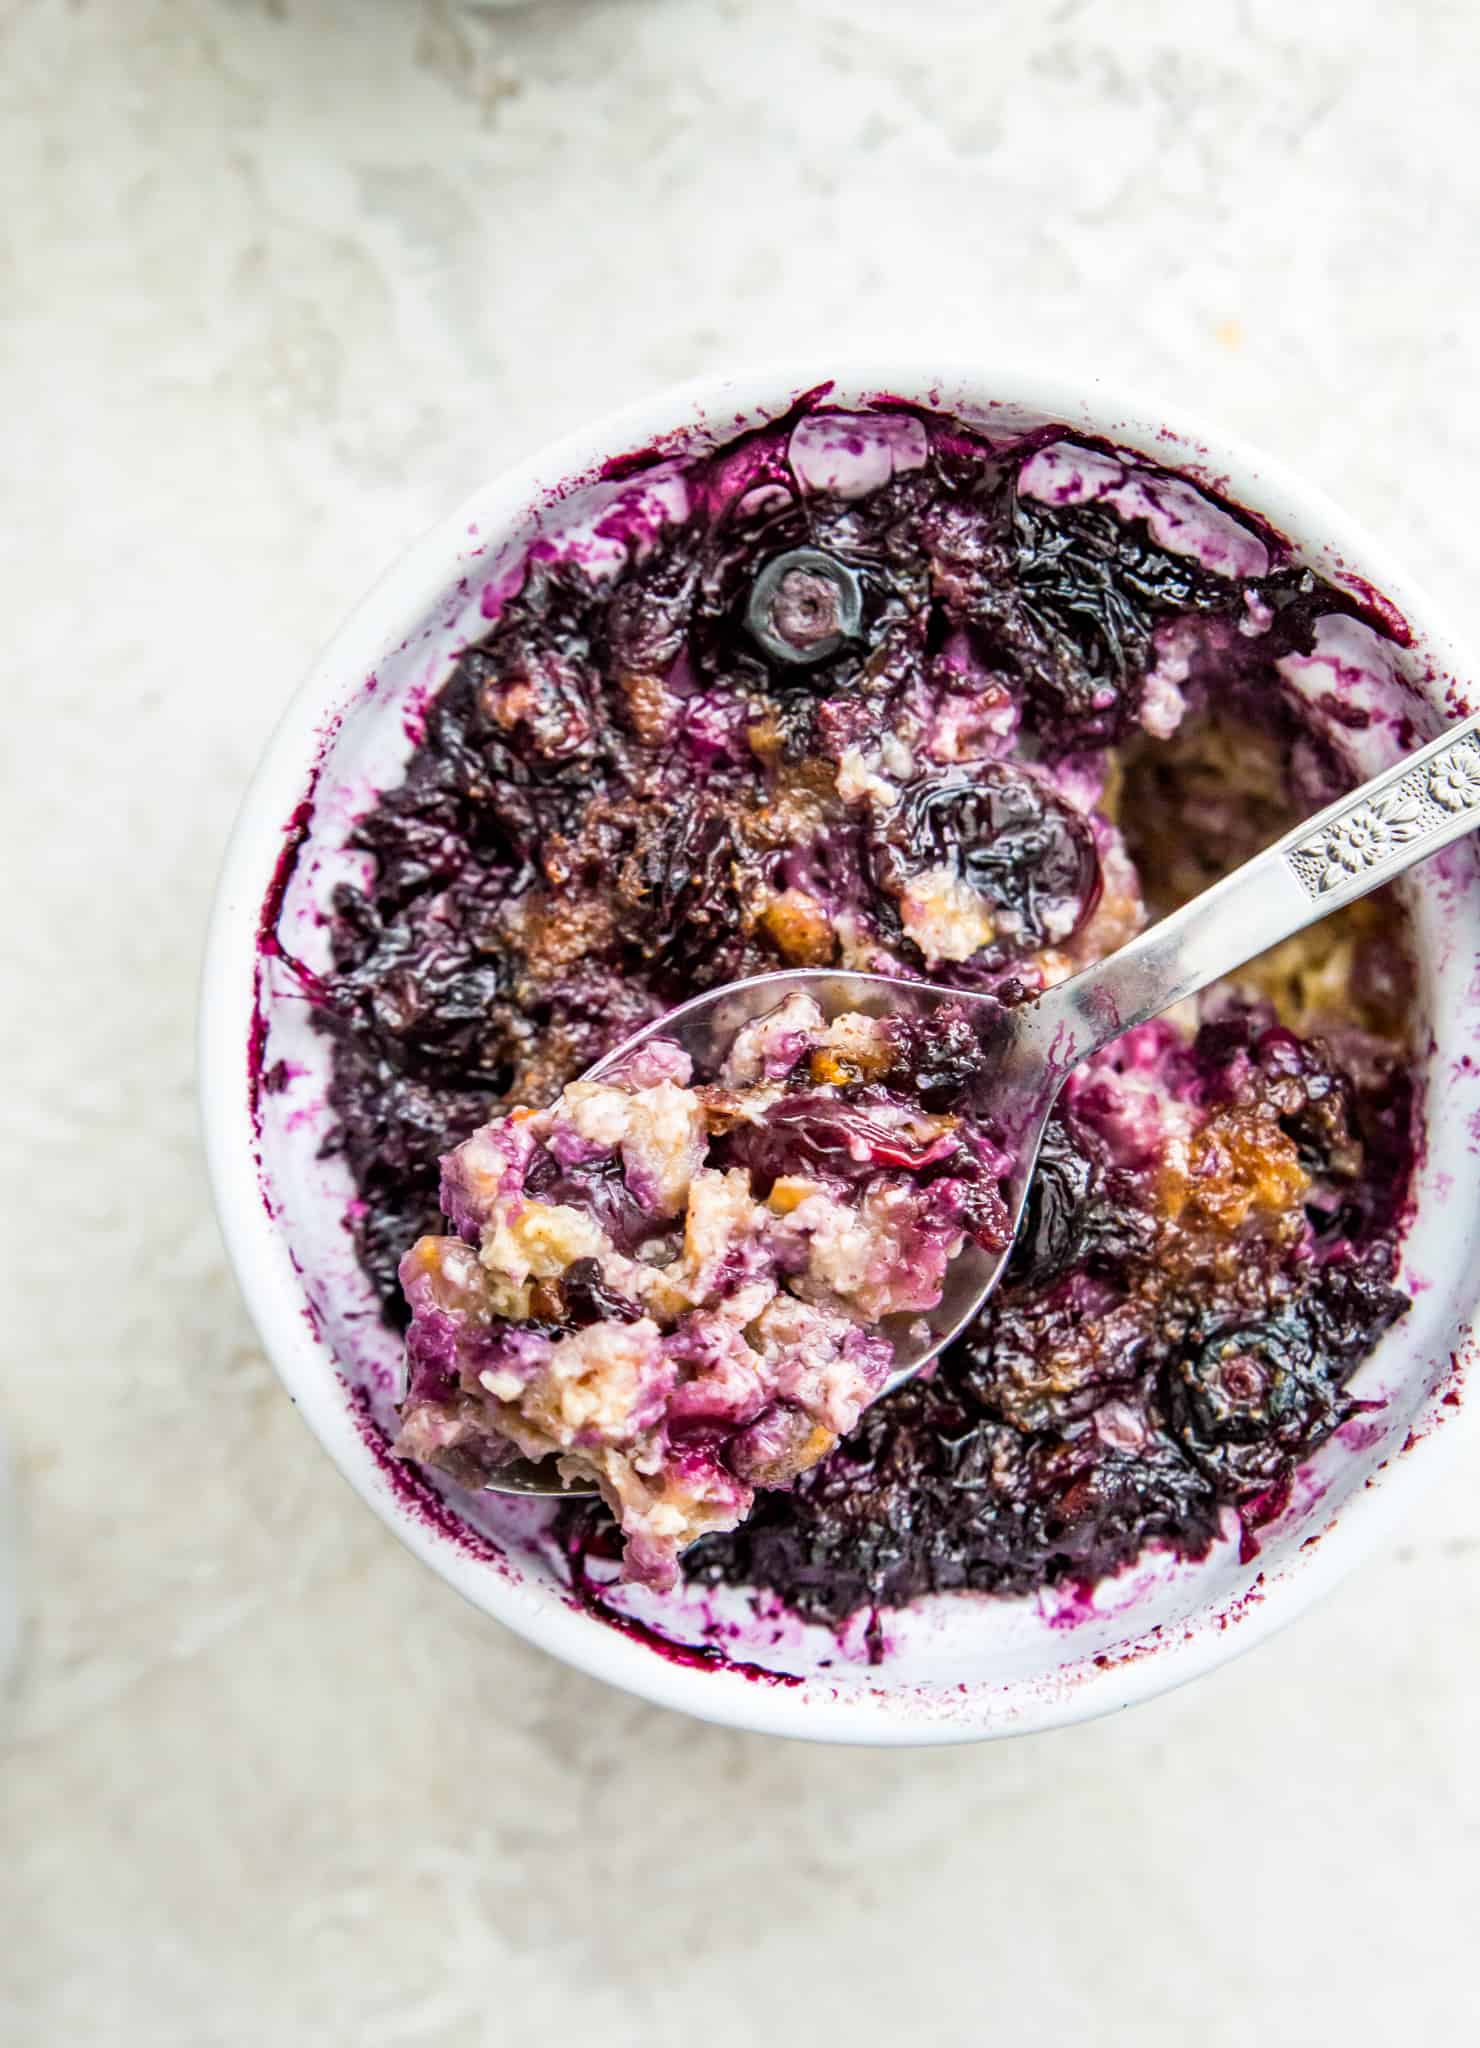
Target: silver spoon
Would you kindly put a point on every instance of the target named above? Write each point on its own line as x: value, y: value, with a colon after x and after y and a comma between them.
x: 1397, y: 819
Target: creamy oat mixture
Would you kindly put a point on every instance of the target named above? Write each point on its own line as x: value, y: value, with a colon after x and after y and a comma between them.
x: 717, y: 1329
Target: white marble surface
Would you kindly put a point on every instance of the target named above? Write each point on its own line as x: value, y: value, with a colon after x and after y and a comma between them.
x: 278, y: 282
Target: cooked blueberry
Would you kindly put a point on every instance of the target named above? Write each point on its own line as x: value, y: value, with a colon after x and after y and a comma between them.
x: 941, y: 1058
x: 1076, y: 610
x: 825, y: 1133
x: 600, y: 1189
x: 685, y: 914
x: 804, y: 605
x: 1243, y: 1399
x: 1028, y: 856
x: 586, y: 1297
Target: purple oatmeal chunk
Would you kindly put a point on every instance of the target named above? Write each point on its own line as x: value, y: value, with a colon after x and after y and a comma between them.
x: 742, y: 1343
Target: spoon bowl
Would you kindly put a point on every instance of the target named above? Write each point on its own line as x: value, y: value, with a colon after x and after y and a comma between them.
x: 1014, y: 1077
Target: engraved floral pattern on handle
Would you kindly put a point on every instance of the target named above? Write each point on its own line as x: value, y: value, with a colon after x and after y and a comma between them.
x: 1454, y: 779
x: 1426, y: 801
x: 1366, y: 836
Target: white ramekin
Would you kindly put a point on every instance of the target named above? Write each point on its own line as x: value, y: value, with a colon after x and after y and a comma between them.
x: 957, y: 1667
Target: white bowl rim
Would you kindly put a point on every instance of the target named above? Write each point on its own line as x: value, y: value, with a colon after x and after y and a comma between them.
x: 811, y: 1709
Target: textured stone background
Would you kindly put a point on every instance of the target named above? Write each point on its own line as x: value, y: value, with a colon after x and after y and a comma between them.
x: 278, y: 283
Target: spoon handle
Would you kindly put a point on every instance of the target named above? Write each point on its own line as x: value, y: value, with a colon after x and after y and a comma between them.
x: 1353, y: 846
